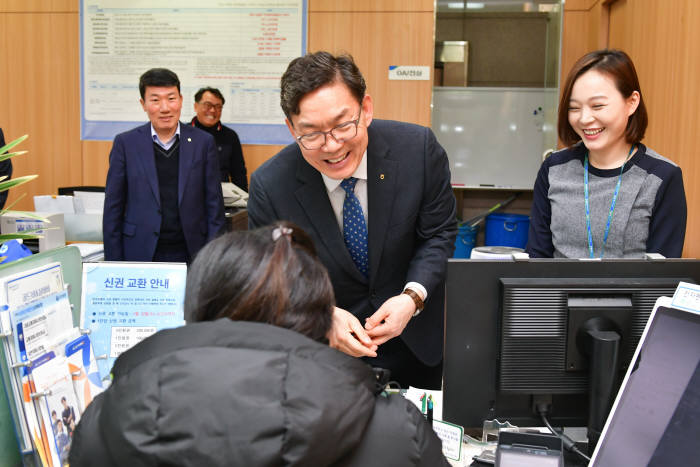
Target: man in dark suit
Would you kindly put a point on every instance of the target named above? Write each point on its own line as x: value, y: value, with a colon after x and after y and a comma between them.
x: 5, y: 170
x: 378, y: 203
x: 163, y: 198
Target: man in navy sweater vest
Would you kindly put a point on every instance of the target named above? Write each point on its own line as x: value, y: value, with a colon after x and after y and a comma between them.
x: 163, y: 198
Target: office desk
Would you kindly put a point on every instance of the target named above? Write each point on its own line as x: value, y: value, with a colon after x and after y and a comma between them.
x: 471, y: 449
x: 236, y: 219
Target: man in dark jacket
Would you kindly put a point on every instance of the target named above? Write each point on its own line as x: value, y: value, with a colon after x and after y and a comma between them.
x: 208, y: 105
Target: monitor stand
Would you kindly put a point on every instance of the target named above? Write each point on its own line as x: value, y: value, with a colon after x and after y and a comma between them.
x: 604, y: 348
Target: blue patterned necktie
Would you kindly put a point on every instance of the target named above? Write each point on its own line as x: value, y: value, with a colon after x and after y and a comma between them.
x: 354, y: 226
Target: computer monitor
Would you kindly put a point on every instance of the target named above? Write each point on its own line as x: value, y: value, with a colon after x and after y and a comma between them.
x: 511, y: 326
x: 656, y: 416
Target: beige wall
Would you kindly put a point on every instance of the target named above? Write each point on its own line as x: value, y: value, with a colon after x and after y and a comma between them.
x: 40, y: 95
x: 39, y: 90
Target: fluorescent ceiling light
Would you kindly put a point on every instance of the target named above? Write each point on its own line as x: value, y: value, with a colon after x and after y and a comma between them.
x: 468, y: 5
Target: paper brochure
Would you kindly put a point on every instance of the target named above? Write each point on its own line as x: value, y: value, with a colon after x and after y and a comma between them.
x: 123, y: 303
x: 83, y: 369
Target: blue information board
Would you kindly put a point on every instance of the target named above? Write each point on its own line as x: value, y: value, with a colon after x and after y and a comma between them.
x: 123, y: 303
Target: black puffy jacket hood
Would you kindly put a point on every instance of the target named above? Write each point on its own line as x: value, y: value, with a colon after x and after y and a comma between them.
x: 233, y: 393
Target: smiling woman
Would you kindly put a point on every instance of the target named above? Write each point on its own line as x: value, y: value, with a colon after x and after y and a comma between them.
x: 607, y: 194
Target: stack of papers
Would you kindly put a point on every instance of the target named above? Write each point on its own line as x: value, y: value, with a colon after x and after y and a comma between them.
x: 82, y: 202
x: 89, y: 202
x: 91, y: 252
x: 51, y: 203
x: 233, y: 195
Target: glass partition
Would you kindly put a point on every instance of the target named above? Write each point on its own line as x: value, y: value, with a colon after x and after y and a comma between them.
x: 496, y: 84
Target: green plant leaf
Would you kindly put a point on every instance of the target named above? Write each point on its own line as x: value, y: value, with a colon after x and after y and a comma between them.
x: 6, y: 185
x: 31, y: 215
x: 12, y: 154
x: 23, y: 236
x: 12, y: 144
x: 8, y: 208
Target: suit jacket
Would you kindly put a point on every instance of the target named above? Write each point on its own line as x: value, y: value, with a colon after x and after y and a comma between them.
x: 132, y: 214
x: 411, y: 224
x: 231, y: 162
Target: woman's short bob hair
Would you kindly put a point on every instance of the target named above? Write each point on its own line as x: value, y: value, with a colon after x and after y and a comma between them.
x: 617, y: 65
x: 268, y: 275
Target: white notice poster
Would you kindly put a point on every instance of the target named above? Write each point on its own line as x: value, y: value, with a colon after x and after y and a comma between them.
x: 240, y: 47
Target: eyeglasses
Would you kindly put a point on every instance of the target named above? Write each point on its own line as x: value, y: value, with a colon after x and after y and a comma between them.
x: 209, y: 106
x: 341, y: 133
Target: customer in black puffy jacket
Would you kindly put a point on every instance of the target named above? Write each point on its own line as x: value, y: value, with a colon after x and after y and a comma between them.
x: 251, y: 380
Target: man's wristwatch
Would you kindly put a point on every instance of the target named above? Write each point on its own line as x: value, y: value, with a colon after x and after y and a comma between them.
x: 416, y: 299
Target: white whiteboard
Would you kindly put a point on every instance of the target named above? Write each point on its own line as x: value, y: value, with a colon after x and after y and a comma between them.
x: 495, y: 137
x: 242, y: 48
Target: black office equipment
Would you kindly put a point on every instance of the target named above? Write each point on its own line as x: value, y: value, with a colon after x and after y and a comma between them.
x: 69, y: 190
x: 529, y: 450
x: 508, y: 346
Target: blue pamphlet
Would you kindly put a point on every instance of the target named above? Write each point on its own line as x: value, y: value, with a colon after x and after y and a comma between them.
x: 37, y: 324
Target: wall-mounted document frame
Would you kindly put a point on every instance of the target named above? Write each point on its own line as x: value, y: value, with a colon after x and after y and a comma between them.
x: 241, y: 48
x: 71, y: 266
x: 123, y: 303
x: 494, y: 137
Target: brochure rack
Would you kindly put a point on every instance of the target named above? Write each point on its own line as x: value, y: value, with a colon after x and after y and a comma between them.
x: 63, y: 323
x: 71, y: 266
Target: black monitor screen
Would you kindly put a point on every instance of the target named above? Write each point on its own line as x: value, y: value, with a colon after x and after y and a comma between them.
x: 656, y: 419
x: 512, y: 331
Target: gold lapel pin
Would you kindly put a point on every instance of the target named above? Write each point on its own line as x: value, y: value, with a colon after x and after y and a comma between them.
x: 381, y: 176
x: 189, y: 140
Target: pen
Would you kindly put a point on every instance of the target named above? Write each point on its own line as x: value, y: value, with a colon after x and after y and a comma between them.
x: 423, y: 401
x: 430, y: 410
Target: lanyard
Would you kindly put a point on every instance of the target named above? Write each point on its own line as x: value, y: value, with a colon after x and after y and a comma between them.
x: 612, y: 204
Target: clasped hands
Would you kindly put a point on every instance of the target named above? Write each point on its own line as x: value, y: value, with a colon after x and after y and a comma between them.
x: 349, y: 336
